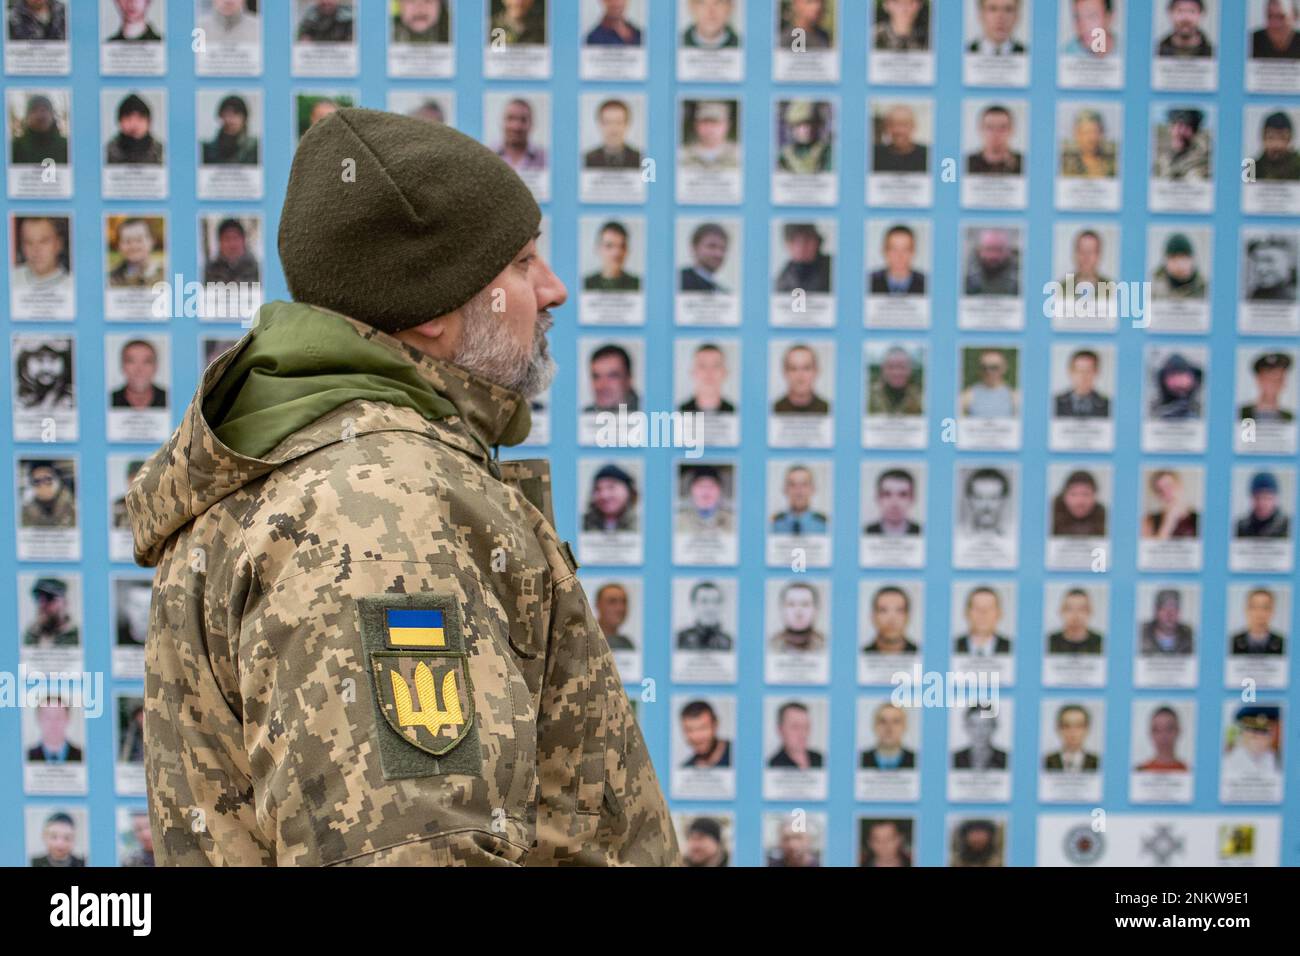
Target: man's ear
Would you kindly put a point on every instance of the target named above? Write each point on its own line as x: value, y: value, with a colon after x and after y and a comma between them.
x: 438, y: 337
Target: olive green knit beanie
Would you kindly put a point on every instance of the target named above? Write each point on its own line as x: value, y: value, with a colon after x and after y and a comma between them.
x: 395, y: 221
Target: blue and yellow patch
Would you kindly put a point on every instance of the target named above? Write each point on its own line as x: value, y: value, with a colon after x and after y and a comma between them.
x: 417, y: 655
x: 415, y: 628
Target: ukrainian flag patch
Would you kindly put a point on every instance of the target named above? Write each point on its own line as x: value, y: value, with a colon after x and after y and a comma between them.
x: 415, y: 628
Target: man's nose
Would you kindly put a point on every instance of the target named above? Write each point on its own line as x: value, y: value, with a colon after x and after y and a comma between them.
x: 551, y: 292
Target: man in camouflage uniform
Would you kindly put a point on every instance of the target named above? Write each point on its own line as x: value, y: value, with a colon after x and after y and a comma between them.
x: 53, y: 626
x: 1183, y: 153
x: 808, y: 151
x: 518, y: 22
x: 52, y: 505
x: 368, y: 644
x: 895, y: 391
x: 327, y: 21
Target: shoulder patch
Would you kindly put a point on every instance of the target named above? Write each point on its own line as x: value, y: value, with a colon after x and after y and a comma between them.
x: 419, y: 671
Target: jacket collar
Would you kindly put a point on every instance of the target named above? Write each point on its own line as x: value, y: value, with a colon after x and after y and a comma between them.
x: 494, y: 415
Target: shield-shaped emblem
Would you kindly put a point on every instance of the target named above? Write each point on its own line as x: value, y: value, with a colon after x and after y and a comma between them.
x: 425, y: 697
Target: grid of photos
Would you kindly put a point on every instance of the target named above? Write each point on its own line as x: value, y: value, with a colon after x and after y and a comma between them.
x: 927, y: 404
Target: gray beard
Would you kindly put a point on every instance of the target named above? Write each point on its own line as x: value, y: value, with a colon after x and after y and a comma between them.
x: 486, y: 352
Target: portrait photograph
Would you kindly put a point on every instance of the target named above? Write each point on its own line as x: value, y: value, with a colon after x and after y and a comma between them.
x: 1259, y: 632
x: 57, y: 836
x: 1174, y: 398
x: 1271, y: 186
x: 706, y: 383
x: 989, y: 398
x: 705, y: 615
x: 38, y: 131
x: 131, y: 37
x: 1251, y: 752
x: 900, y: 272
x: 229, y: 37
x: 794, y: 839
x: 517, y: 34
x: 44, y: 388
x: 986, y: 531
x: 1083, y: 397
x: 900, y: 46
x: 706, y: 840
x: 36, y: 37
x: 610, y: 386
x: 1186, y: 36
x: 706, y: 511
x: 710, y: 260
x: 797, y: 629
x: 54, y: 746
x: 896, y: 394
x: 889, y: 752
x: 799, y: 513
x: 324, y: 38
x: 137, y: 375
x: 613, y: 526
x: 995, y: 139
x: 517, y: 127
x: 902, y: 134
x: 1268, y: 302
x: 806, y: 46
x: 710, y: 41
x: 229, y: 126
x: 1182, y: 170
x: 995, y: 47
x: 1167, y: 645
x: 1088, y: 155
x: 612, y: 138
x: 800, y: 384
x: 701, y: 747
x: 796, y: 735
x: 1273, y: 46
x: 991, y: 290
x: 1076, y: 618
x: 891, y: 629
x: 133, y: 129
x: 135, y: 260
x: 893, y: 514
x: 421, y: 39
x: 1266, y: 401
x: 805, y: 168
x: 1091, y: 44
x: 1071, y: 735
x: 48, y: 510
x: 1171, y: 500
x: 1261, y: 510
x: 41, y: 285
x: 612, y: 261
x: 709, y: 153
x: 979, y: 753
x: 1162, y: 750
x: 51, y: 620
x: 983, y: 625
x: 886, y: 841
x: 613, y: 37
x: 618, y: 604
x: 803, y: 269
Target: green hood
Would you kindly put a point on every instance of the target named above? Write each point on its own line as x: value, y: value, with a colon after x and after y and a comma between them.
x: 300, y: 364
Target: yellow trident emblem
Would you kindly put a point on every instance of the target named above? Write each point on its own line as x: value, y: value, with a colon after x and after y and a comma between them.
x: 428, y: 716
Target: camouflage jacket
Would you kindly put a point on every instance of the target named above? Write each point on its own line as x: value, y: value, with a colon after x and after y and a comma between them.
x: 300, y: 600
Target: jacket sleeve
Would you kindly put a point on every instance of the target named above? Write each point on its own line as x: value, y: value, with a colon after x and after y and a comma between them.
x: 266, y: 737
x: 335, y: 780
x: 600, y: 802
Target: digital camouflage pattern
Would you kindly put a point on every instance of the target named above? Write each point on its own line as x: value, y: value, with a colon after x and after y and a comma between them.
x: 265, y: 737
